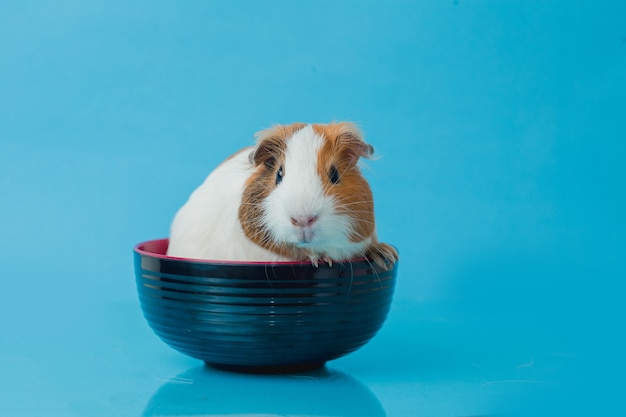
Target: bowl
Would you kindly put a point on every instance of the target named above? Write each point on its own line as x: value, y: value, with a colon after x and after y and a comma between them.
x: 261, y: 317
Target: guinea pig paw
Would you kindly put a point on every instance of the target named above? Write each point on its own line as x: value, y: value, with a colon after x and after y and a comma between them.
x: 383, y: 255
x: 314, y: 260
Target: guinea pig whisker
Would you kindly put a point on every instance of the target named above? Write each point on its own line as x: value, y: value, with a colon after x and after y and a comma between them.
x: 361, y: 219
x: 351, y: 277
x: 356, y: 206
x: 256, y: 225
x: 357, y: 202
x: 380, y: 283
x: 357, y: 213
x: 352, y: 207
x: 347, y: 210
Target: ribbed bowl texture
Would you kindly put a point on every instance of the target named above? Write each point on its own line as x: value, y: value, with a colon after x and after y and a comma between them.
x: 261, y: 317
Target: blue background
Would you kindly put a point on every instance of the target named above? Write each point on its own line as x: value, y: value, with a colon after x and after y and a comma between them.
x: 501, y: 130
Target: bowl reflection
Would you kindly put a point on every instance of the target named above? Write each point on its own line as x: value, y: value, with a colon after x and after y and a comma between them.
x: 210, y: 392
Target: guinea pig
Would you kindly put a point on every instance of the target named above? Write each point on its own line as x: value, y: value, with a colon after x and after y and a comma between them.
x: 297, y: 195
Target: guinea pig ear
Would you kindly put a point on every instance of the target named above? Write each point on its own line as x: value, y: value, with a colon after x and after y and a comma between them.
x: 351, y: 144
x: 271, y: 144
x: 268, y: 149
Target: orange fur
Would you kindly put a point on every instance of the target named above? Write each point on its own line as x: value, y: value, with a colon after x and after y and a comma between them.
x: 342, y: 148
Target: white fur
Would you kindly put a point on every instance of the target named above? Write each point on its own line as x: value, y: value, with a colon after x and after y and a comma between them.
x: 208, y: 227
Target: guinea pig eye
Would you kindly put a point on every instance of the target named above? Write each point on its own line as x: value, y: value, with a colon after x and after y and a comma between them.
x: 279, y: 175
x: 333, y: 174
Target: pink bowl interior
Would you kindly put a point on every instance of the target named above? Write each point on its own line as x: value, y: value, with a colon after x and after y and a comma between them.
x: 158, y: 249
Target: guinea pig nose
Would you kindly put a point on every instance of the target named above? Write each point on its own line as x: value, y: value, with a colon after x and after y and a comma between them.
x: 303, y: 221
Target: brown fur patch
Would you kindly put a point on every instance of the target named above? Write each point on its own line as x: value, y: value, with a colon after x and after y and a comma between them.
x: 342, y: 149
x: 267, y: 157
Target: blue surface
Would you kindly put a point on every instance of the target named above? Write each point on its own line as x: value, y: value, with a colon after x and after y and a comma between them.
x: 501, y: 127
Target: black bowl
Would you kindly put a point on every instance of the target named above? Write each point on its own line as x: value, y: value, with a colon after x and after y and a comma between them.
x: 261, y: 317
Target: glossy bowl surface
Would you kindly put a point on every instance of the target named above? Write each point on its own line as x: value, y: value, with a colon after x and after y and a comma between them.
x: 261, y: 317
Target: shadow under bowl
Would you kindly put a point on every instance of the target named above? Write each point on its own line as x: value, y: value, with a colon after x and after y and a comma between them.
x: 261, y: 317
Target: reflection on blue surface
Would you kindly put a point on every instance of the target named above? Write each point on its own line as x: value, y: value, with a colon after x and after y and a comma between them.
x: 207, y: 392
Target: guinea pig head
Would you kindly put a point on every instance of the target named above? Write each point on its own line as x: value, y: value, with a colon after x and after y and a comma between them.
x: 306, y: 196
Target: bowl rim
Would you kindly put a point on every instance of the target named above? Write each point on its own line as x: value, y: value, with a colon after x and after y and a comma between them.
x: 139, y: 249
